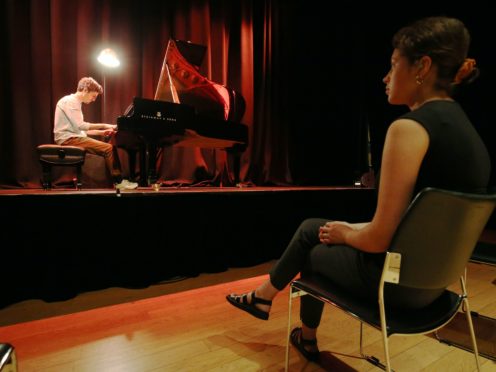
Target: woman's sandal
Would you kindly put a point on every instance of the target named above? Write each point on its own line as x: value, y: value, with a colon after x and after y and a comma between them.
x: 241, y: 302
x: 299, y: 342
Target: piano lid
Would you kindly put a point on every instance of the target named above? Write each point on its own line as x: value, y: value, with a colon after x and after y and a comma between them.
x: 181, y: 82
x: 192, y: 53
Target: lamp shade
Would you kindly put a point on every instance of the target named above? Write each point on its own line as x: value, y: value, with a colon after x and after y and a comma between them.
x: 108, y: 58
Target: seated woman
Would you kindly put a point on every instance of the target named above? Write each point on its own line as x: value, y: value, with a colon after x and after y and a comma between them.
x: 433, y: 145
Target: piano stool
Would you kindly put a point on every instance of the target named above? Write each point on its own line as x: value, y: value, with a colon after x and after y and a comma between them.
x: 8, y: 360
x: 57, y: 155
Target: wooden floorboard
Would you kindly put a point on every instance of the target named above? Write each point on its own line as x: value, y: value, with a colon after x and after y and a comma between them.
x: 189, y: 326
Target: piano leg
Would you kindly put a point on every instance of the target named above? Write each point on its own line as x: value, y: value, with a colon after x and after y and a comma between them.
x: 151, y: 157
x: 236, y: 167
x: 235, y: 154
x: 142, y: 167
x: 134, y: 145
x: 131, y: 153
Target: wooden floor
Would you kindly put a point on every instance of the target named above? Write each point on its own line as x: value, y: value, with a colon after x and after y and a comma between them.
x: 188, y: 326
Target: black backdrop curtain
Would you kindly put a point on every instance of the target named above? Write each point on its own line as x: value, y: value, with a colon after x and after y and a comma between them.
x: 311, y: 79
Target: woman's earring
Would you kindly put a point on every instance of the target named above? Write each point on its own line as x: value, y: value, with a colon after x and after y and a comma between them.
x: 419, y: 80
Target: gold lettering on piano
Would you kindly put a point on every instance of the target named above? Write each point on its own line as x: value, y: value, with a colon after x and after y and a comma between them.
x: 158, y: 118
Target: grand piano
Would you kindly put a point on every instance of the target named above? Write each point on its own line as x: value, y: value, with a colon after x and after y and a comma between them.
x: 188, y: 110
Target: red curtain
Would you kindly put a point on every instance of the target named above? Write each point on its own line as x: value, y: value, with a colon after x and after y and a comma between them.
x: 311, y: 79
x: 50, y: 44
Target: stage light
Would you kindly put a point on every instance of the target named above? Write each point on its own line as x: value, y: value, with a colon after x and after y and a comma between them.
x: 108, y: 59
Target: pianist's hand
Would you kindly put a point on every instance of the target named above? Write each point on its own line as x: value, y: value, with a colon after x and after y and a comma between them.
x: 108, y: 132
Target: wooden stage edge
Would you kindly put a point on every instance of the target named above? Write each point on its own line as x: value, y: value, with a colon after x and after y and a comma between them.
x: 63, y: 241
x: 172, y: 189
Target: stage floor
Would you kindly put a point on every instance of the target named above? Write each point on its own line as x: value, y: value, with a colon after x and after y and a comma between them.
x: 176, y: 189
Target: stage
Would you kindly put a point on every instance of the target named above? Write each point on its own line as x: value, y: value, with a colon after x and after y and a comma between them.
x: 62, y: 242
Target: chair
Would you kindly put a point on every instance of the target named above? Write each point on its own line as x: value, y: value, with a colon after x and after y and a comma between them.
x: 429, y: 250
x: 57, y: 155
x: 8, y: 360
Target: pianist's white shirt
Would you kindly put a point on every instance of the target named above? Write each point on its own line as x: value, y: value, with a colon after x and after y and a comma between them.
x: 69, y: 121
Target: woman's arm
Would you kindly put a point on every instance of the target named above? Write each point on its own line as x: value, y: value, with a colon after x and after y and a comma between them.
x: 404, y: 149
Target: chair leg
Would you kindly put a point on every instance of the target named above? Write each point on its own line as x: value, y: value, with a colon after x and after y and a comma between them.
x: 13, y: 361
x: 46, y: 178
x: 369, y: 358
x: 361, y: 342
x: 472, y: 336
x: 292, y: 294
x: 382, y: 311
x: 286, y: 364
x: 386, y: 350
x: 79, y: 183
x: 470, y: 324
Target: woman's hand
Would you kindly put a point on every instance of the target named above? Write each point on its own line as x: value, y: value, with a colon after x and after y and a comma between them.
x: 334, y: 232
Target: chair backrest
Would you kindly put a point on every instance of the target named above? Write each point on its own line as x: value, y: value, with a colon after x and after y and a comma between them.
x: 438, y: 234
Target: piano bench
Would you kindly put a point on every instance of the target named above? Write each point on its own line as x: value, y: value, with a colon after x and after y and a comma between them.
x: 57, y: 155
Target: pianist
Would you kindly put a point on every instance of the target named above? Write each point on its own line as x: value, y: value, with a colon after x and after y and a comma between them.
x: 70, y: 129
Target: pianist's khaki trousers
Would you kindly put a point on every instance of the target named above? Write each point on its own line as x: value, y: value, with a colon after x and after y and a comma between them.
x: 100, y: 148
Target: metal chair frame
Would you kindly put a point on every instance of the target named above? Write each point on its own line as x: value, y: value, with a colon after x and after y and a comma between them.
x: 8, y: 358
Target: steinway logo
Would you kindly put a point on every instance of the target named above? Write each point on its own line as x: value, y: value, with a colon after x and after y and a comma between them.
x: 158, y: 116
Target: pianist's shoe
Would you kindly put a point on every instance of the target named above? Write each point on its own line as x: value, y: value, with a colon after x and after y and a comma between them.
x: 126, y: 185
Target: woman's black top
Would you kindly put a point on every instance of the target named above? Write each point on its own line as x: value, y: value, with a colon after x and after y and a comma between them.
x: 456, y: 159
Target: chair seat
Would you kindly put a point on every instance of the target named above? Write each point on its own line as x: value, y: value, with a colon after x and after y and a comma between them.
x: 402, y: 321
